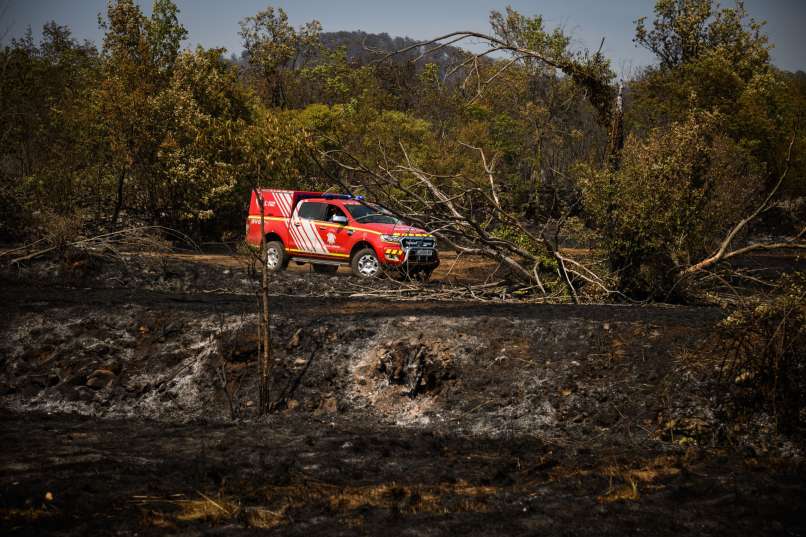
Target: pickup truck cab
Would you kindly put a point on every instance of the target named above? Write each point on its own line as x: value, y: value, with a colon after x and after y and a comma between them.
x: 331, y: 230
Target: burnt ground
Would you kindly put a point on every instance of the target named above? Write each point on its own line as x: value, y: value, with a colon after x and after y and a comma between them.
x: 128, y: 407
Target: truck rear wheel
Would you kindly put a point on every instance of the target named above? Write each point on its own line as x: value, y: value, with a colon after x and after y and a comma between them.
x: 365, y: 264
x: 276, y: 259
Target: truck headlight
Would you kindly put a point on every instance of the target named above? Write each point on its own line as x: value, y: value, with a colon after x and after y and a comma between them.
x: 390, y: 238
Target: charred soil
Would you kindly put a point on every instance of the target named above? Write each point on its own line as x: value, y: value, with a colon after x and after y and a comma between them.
x: 128, y: 407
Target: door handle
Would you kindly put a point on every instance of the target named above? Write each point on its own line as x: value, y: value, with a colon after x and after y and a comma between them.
x: 297, y: 224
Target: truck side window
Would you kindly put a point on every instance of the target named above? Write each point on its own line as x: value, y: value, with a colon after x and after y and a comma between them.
x: 312, y: 210
x: 333, y: 210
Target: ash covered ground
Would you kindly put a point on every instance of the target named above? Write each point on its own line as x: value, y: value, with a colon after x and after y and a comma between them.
x: 128, y: 406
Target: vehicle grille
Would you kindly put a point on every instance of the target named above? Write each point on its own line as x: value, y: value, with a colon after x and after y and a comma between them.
x: 418, y: 242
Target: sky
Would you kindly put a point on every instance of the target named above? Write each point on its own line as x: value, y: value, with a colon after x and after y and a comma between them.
x: 214, y: 23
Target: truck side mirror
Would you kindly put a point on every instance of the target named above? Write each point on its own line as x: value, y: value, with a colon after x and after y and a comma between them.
x: 338, y: 219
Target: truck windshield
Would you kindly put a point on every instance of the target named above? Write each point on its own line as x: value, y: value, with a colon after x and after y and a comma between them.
x: 368, y: 214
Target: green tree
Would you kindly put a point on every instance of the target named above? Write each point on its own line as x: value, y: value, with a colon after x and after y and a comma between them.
x: 274, y: 49
x: 672, y: 200
x: 46, y: 143
x: 718, y: 60
x: 139, y: 55
x: 205, y: 109
x: 713, y: 121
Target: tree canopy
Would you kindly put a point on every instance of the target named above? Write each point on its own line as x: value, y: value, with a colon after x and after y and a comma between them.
x: 142, y: 130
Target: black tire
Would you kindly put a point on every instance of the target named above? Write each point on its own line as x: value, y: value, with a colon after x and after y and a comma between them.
x: 276, y: 258
x: 325, y: 269
x: 365, y: 264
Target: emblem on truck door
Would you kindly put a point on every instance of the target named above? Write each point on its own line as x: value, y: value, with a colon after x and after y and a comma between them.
x: 331, y: 238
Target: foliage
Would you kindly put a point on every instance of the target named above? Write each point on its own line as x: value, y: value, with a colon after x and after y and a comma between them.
x: 143, y: 129
x: 763, y: 360
x: 589, y: 71
x: 685, y: 31
x: 46, y: 154
x: 710, y: 128
x: 205, y: 110
x: 670, y: 202
x: 273, y: 48
x: 716, y: 60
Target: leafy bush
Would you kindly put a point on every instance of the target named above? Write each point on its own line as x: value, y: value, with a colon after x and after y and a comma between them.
x: 764, y: 361
x: 670, y: 202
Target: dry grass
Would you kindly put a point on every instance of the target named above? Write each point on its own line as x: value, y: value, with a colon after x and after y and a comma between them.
x: 624, y: 481
x: 207, y: 508
x: 626, y: 492
x: 409, y: 499
x: 442, y: 498
x: 349, y: 502
x: 260, y: 517
x: 13, y: 516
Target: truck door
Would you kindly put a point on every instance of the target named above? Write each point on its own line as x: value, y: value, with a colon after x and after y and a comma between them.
x: 333, y: 234
x: 303, y: 228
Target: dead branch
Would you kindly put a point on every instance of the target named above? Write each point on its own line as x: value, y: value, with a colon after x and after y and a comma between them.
x: 466, y: 217
x: 489, y: 169
x: 114, y: 243
x: 263, y: 329
x: 724, y: 252
x: 598, y: 88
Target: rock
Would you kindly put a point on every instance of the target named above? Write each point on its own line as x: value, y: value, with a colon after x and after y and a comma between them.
x: 294, y: 341
x: 40, y: 381
x: 114, y: 366
x: 84, y: 394
x: 329, y: 405
x: 79, y: 379
x: 54, y: 377
x: 100, y: 378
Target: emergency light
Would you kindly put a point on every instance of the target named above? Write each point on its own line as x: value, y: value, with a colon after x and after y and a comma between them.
x: 342, y: 197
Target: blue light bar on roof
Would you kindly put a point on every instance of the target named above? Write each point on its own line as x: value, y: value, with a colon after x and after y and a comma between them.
x: 342, y: 197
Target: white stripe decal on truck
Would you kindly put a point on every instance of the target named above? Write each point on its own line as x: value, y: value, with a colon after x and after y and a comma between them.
x: 313, y: 237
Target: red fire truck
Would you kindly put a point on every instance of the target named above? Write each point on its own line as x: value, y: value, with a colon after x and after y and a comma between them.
x: 329, y: 230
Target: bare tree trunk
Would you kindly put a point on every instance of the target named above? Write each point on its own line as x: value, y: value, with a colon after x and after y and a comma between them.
x: 119, y: 201
x: 264, y: 333
x: 616, y: 134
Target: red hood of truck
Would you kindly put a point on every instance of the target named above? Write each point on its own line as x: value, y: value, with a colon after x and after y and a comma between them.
x: 394, y: 229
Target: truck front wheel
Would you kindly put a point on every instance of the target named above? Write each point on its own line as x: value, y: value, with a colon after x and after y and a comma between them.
x: 276, y: 260
x: 365, y: 264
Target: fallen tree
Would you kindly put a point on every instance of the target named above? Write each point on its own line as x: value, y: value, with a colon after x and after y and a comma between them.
x: 471, y: 214
x: 726, y: 248
x: 468, y: 216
